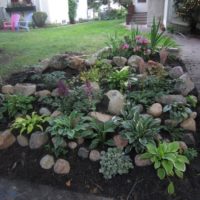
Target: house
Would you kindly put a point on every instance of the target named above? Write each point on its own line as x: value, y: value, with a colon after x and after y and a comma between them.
x: 57, y: 10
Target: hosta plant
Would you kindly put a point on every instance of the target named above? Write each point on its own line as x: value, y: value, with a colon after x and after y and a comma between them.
x: 139, y: 131
x: 167, y: 161
x: 29, y: 123
x: 114, y: 162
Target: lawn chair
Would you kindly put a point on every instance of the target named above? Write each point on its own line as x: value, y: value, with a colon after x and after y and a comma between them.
x: 13, y: 24
x: 25, y: 24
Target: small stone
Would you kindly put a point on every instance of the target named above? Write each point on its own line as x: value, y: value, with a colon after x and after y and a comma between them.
x: 119, y: 141
x: 185, y: 85
x: 189, y: 139
x: 94, y: 155
x: 62, y: 167
x: 22, y: 140
x: 141, y: 162
x: 170, y: 99
x: 193, y: 115
x: 7, y: 139
x: 134, y: 61
x: 55, y: 93
x: 169, y: 122
x: 83, y: 153
x: 62, y: 142
x: 116, y: 102
x: 25, y: 89
x: 7, y: 89
x: 80, y: 140
x: 72, y: 145
x: 100, y: 116
x: 183, y: 146
x: 119, y: 61
x: 37, y: 140
x: 43, y: 93
x: 189, y: 124
x: 155, y: 110
x: 176, y: 72
x: 56, y: 113
x: 44, y: 111
x: 47, y: 162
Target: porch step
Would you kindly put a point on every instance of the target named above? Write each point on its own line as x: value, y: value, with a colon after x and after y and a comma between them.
x: 140, y: 18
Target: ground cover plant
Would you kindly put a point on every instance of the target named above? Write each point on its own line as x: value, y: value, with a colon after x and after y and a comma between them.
x: 102, y: 122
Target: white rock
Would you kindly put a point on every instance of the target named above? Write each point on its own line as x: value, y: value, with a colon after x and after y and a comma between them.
x: 7, y: 89
x: 47, y: 162
x: 7, y: 139
x: 155, y: 110
x: 25, y: 89
x: 100, y: 116
x: 22, y: 140
x: 62, y: 167
x: 94, y: 155
x: 72, y: 145
x: 44, y: 111
x: 189, y: 124
x: 43, y: 93
x: 141, y: 162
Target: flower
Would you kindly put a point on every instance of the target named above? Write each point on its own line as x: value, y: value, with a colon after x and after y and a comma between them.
x: 125, y: 46
x: 88, y: 88
x: 63, y: 89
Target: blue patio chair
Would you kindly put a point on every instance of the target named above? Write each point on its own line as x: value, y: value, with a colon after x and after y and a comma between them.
x: 25, y: 24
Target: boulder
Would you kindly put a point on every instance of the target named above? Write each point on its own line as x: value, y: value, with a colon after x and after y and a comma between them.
x: 119, y: 141
x: 155, y: 110
x: 189, y: 124
x: 183, y: 146
x: 44, y: 111
x: 22, y: 140
x: 72, y: 145
x: 169, y: 122
x: 119, y: 61
x: 170, y: 99
x: 58, y: 62
x: 134, y: 61
x: 185, y: 85
x: 94, y: 155
x: 43, y: 93
x: 62, y: 167
x: 189, y: 139
x: 83, y: 153
x: 139, y: 162
x: 116, y: 102
x: 76, y: 63
x: 91, y: 61
x: 100, y: 116
x: 56, y: 113
x: 176, y: 72
x: 7, y: 139
x: 25, y: 89
x: 37, y: 140
x: 47, y: 162
x: 193, y: 115
x: 7, y: 89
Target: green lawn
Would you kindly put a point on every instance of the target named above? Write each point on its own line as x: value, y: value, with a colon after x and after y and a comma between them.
x: 24, y: 49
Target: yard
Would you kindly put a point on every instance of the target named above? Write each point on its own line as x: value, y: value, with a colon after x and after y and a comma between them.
x: 19, y: 50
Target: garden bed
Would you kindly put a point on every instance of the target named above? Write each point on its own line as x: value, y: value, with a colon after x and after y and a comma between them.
x: 91, y: 125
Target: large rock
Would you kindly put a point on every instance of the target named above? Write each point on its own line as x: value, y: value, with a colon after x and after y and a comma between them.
x: 22, y: 140
x: 116, y: 102
x: 139, y: 162
x: 189, y: 139
x: 94, y: 155
x: 100, y: 116
x: 47, y: 162
x: 7, y: 139
x: 119, y: 141
x: 7, y: 89
x: 134, y: 61
x: 185, y: 85
x: 25, y: 89
x: 155, y: 110
x: 176, y: 72
x: 119, y: 61
x: 62, y: 167
x: 44, y: 111
x: 170, y: 99
x: 43, y: 93
x: 58, y: 62
x: 189, y: 124
x: 37, y: 140
x: 76, y: 63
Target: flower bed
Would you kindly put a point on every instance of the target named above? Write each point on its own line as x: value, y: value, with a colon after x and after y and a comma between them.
x: 123, y: 127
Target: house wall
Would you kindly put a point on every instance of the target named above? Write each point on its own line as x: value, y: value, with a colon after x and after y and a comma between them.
x: 82, y: 10
x: 3, y: 3
x: 140, y: 6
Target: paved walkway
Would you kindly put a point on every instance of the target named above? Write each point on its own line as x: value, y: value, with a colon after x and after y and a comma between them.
x: 19, y: 190
x: 190, y: 53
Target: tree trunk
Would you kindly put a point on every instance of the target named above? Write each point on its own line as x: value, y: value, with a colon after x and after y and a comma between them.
x: 129, y: 16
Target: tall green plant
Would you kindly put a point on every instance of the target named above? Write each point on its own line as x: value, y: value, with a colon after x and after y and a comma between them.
x: 72, y: 10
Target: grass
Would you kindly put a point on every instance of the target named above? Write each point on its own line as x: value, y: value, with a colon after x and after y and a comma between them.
x: 24, y: 49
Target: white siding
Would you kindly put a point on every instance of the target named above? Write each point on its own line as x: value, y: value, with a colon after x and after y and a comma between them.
x: 82, y: 10
x: 140, y: 6
x: 3, y: 3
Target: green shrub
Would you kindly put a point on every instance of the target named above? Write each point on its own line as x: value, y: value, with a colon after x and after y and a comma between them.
x: 39, y: 19
x: 190, y: 153
x: 28, y: 124
x: 167, y: 161
x: 112, y: 14
x: 114, y: 162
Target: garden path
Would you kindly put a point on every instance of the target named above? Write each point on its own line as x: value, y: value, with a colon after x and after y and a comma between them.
x: 19, y: 190
x: 190, y: 54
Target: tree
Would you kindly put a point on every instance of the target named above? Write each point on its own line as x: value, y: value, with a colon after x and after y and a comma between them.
x: 72, y: 10
x: 189, y: 10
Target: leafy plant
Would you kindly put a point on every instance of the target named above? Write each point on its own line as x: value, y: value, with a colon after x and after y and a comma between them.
x: 28, y: 124
x: 50, y: 101
x: 93, y: 75
x: 39, y: 18
x: 98, y: 132
x: 178, y: 112
x: 119, y: 78
x: 14, y: 105
x: 175, y: 133
x: 167, y: 161
x: 114, y: 162
x: 192, y: 100
x: 190, y: 153
x: 139, y: 131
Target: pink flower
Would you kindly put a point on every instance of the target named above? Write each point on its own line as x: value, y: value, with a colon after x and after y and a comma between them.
x: 125, y: 46
x: 138, y: 37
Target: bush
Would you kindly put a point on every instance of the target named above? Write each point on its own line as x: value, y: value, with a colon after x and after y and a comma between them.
x: 72, y: 10
x: 39, y: 19
x: 112, y: 14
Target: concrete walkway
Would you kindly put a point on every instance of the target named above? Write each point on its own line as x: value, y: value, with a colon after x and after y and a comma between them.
x: 190, y: 53
x: 19, y: 190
